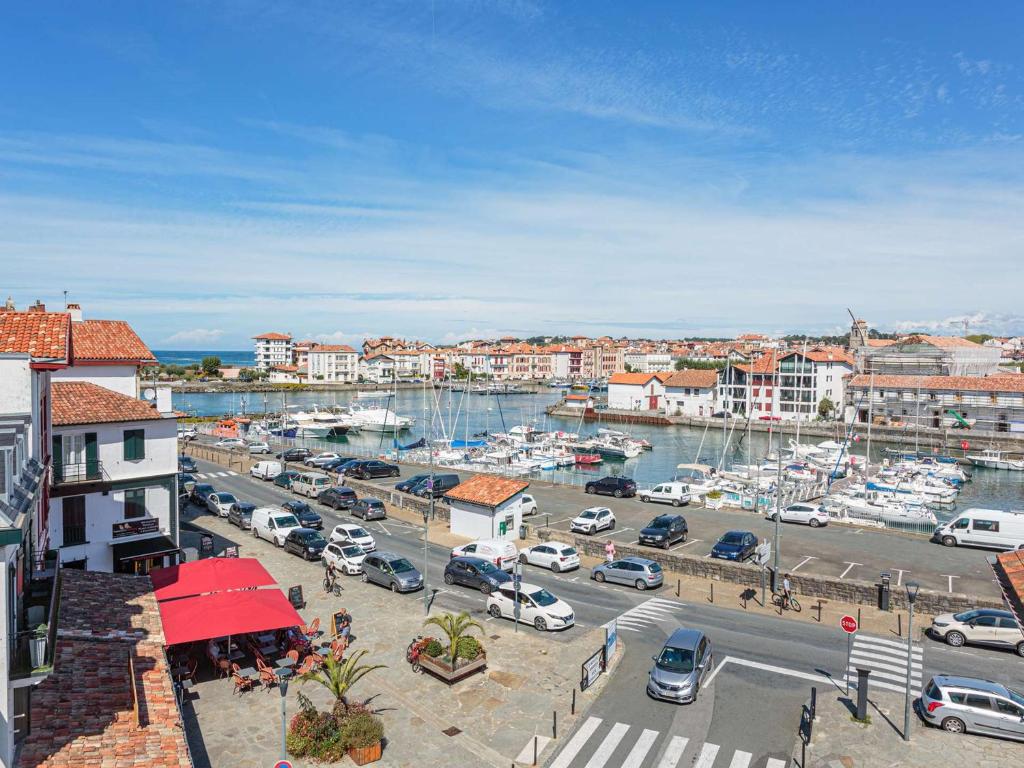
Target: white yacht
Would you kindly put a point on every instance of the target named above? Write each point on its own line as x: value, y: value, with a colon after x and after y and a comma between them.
x: 993, y: 459
x: 320, y: 424
x: 377, y: 418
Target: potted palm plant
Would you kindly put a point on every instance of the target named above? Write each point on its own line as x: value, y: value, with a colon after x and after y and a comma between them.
x: 464, y: 654
x: 338, y: 677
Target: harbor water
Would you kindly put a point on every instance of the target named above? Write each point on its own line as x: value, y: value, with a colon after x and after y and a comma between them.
x: 457, y: 415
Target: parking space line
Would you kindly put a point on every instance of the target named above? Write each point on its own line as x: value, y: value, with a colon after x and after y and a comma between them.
x: 384, y: 529
x: 849, y: 567
x: 684, y: 544
x: 802, y: 563
x: 899, y: 579
x: 556, y: 522
x: 950, y: 579
x: 611, y: 532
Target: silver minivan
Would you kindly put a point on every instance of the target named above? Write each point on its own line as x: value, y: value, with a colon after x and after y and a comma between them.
x: 968, y: 705
x: 391, y: 571
x: 684, y: 663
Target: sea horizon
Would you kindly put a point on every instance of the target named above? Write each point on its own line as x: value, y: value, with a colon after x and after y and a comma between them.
x: 229, y: 358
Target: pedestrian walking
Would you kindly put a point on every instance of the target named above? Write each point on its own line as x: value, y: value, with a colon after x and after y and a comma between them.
x: 609, y: 551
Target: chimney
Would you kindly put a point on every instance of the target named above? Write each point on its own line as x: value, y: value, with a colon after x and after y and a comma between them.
x: 75, y: 310
x: 37, y: 307
x: 9, y: 306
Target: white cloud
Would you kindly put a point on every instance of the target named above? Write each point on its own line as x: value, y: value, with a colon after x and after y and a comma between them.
x: 973, y: 322
x: 195, y: 336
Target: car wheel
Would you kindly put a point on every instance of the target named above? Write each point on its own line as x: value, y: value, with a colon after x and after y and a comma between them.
x: 611, y: 526
x: 590, y: 489
x: 524, y: 559
x: 676, y: 502
x: 485, y: 588
x: 775, y: 517
x: 645, y: 499
x: 323, y: 561
x: 954, y: 725
x: 948, y: 541
x: 592, y: 531
x: 395, y: 473
x: 1020, y: 649
x: 617, y: 493
x: 956, y: 639
x: 555, y: 568
x: 495, y: 611
x: 365, y: 577
x: 394, y: 587
x: 815, y: 523
x: 255, y: 533
x: 665, y: 545
x: 641, y: 584
x: 449, y: 579
x: 540, y: 625
x: 599, y: 577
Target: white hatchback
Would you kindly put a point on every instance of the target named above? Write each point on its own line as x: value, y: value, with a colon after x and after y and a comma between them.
x: 347, y: 558
x: 808, y: 514
x: 551, y: 554
x: 529, y: 505
x: 537, y: 606
x: 592, y: 520
x: 230, y: 442
x: 220, y: 503
x: 354, y: 533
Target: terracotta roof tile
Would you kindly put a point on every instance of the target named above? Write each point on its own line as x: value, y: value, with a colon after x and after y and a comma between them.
x: 1009, y: 571
x: 695, y: 377
x: 1005, y: 383
x: 82, y: 402
x: 487, y: 490
x: 107, y: 340
x: 274, y: 337
x: 938, y: 341
x: 44, y: 335
x: 881, y: 342
x: 333, y: 348
x: 632, y: 378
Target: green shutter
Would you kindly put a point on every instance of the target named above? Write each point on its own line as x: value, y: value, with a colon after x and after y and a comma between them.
x: 57, y: 455
x: 134, y: 503
x: 134, y: 444
x: 92, y: 461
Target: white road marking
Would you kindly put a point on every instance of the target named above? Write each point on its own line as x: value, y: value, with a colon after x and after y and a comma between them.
x: 604, y: 752
x: 201, y: 475
x: 707, y: 755
x: 899, y: 579
x: 802, y: 563
x: 612, y: 532
x: 566, y: 756
x: 384, y: 529
x: 849, y: 567
x: 950, y: 579
x: 221, y: 474
x: 675, y: 750
x: 684, y: 544
x: 636, y: 755
x: 740, y: 759
x: 774, y: 762
x: 526, y: 756
x: 873, y: 683
x: 769, y: 668
x: 232, y: 472
x: 897, y: 644
x: 564, y: 519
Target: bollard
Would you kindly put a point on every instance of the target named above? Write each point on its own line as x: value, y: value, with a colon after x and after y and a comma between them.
x: 547, y: 521
x: 712, y: 592
x: 573, y: 710
x: 534, y: 750
x: 858, y: 617
x: 554, y: 724
x: 862, y: 693
x: 820, y: 606
x: 678, y: 582
x: 899, y: 624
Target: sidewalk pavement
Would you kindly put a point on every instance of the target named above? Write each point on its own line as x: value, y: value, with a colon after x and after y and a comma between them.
x: 495, y: 715
x: 840, y: 742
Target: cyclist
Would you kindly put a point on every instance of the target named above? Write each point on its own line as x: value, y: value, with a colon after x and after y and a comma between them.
x: 330, y: 577
x: 787, y: 591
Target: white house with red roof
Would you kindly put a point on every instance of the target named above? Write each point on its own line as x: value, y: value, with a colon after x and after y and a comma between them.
x: 691, y: 392
x: 637, y: 391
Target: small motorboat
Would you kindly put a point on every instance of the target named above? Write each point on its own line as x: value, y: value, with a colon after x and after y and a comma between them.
x: 588, y: 458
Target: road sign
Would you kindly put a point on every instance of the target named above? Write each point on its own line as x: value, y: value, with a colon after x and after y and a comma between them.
x: 763, y: 553
x: 849, y: 624
x: 282, y: 764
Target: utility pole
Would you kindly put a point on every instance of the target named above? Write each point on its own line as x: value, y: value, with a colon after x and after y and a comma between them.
x: 427, y: 517
x: 778, y: 480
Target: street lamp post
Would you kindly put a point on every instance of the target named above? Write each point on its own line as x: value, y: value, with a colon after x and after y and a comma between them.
x: 282, y: 687
x: 427, y: 517
x: 912, y: 588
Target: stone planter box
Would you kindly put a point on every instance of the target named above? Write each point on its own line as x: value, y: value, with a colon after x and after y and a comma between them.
x: 364, y: 755
x: 441, y: 670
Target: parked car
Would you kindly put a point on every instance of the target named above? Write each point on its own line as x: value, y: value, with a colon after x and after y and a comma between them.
x: 982, y: 626
x: 369, y: 508
x: 354, y: 533
x: 968, y: 705
x: 310, y: 484
x: 618, y: 487
x: 988, y: 528
x: 529, y: 505
x: 675, y: 494
x: 735, y: 545
x: 294, y: 454
x: 681, y: 667
x: 391, y: 571
x: 199, y: 493
x: 436, y: 488
x: 240, y: 514
x: 664, y: 531
x: 476, y: 573
x: 230, y: 442
x: 219, y: 502
x: 592, y: 520
x: 285, y: 479
x: 722, y: 415
x: 808, y: 514
x: 343, y: 468
x: 266, y: 470
x: 551, y: 554
x: 187, y: 433
x: 338, y: 497
x: 273, y: 524
x: 320, y: 459
x: 636, y: 572
x: 259, y: 448
x: 186, y: 482
x: 308, y: 544
x: 187, y: 464
x: 407, y: 484
x: 347, y: 558
x: 537, y: 606
x: 369, y: 469
x: 307, y: 517
x: 498, y: 551
x: 334, y: 464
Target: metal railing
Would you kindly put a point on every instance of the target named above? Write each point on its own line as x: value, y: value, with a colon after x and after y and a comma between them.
x: 87, y: 471
x: 28, y: 656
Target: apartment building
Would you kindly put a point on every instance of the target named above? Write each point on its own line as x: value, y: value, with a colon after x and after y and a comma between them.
x: 272, y: 349
x: 332, y: 362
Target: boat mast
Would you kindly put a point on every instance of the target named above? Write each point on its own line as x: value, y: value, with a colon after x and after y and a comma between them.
x: 917, y: 425
x: 871, y: 406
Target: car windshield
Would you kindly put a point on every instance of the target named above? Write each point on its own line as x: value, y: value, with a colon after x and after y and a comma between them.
x: 588, y: 514
x: 226, y: 498
x: 286, y: 521
x: 732, y: 538
x: 357, y: 532
x: 676, y: 659
x: 354, y: 551
x: 246, y: 509
x: 543, y: 598
x: 312, y: 537
x: 299, y: 507
x: 966, y: 615
x: 1015, y: 697
x: 661, y: 522
x: 401, y: 565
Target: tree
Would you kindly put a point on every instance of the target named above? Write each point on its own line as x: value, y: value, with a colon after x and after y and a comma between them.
x: 461, y: 371
x: 211, y: 365
x: 825, y: 408
x: 979, y: 338
x: 338, y: 677
x: 455, y: 627
x: 700, y: 365
x: 629, y: 368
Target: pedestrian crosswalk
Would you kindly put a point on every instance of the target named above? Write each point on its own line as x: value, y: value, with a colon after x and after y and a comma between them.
x: 887, y: 660
x: 636, y: 747
x: 211, y: 475
x: 647, y: 614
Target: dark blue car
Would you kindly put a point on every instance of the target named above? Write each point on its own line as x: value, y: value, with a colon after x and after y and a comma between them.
x: 735, y: 545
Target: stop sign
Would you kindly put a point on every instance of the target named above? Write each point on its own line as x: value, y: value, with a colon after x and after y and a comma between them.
x: 849, y: 624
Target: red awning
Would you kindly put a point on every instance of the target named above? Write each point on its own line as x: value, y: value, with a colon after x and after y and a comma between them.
x: 214, y: 574
x: 226, y: 613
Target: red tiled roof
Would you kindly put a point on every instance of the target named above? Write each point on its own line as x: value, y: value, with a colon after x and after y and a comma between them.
x: 824, y: 355
x: 1005, y: 383
x: 83, y: 712
x: 694, y: 377
x: 333, y: 348
x: 763, y: 364
x: 44, y: 335
x: 577, y: 397
x: 285, y: 368
x: 881, y: 342
x: 938, y: 341
x: 108, y: 340
x: 1009, y: 572
x: 487, y: 490
x: 274, y: 337
x: 637, y: 378
x: 82, y: 402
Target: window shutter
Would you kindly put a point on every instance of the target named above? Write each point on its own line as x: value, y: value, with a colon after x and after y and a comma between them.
x: 92, y: 463
x: 58, y: 458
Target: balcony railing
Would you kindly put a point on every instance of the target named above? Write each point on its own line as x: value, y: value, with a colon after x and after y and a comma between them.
x: 84, y: 472
x: 33, y: 647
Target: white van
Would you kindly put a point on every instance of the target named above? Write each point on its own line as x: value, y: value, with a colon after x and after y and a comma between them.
x: 310, y: 484
x: 273, y: 524
x: 675, y: 494
x: 266, y: 470
x: 992, y: 528
x: 498, y: 551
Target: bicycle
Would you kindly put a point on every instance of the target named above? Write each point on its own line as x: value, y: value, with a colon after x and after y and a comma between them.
x: 780, y: 601
x: 332, y: 585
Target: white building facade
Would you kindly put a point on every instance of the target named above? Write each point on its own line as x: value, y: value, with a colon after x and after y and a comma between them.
x: 691, y: 393
x: 272, y: 349
x: 333, y: 362
x: 637, y: 391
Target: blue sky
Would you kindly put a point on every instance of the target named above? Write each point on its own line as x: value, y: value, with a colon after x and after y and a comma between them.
x: 462, y: 168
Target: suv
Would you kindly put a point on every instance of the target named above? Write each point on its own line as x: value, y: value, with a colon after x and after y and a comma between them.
x: 968, y: 705
x: 592, y: 520
x: 240, y: 514
x: 374, y: 468
x: 664, y: 531
x: 406, y: 485
x: 307, y: 544
x: 441, y: 485
x: 678, y: 671
x: 307, y: 517
x: 983, y: 626
x: 369, y: 508
x: 337, y: 497
x: 612, y: 486
x: 295, y: 454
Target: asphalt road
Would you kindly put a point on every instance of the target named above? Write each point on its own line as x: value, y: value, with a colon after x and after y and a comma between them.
x: 746, y: 715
